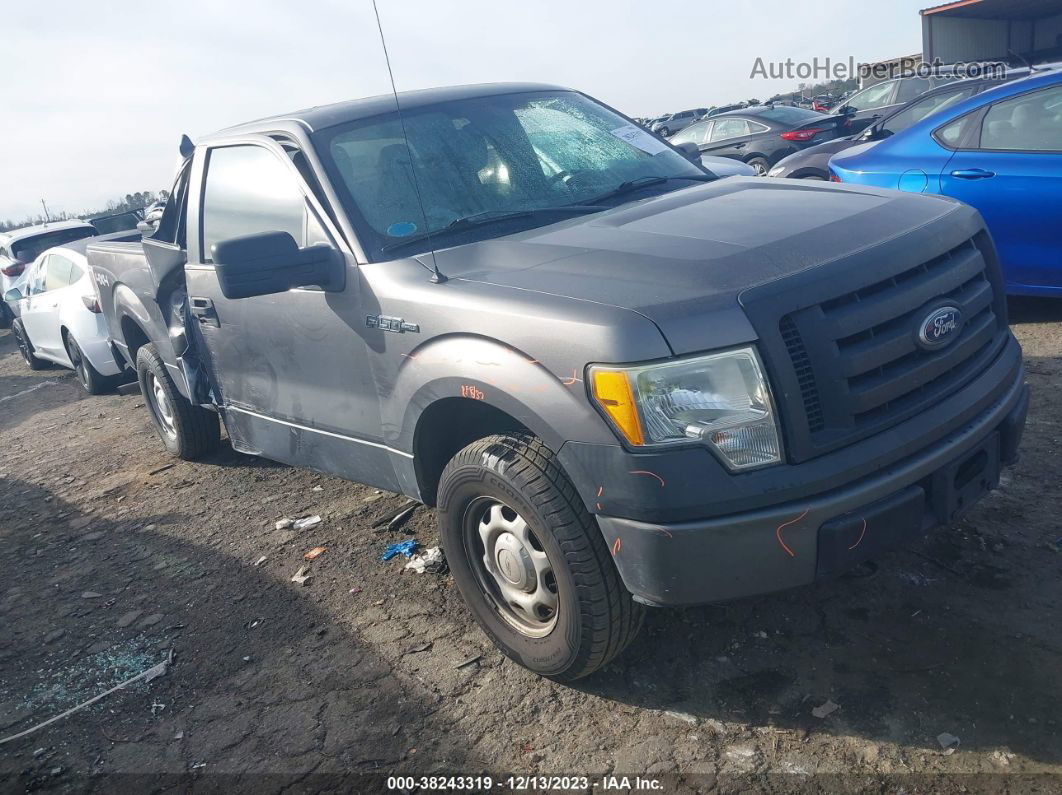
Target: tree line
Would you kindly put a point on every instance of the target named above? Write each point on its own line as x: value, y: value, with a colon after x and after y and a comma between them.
x: 131, y: 201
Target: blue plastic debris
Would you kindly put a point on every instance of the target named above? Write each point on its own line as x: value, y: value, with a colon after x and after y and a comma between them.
x: 401, y: 548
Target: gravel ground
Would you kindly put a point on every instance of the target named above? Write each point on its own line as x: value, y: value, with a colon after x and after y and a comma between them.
x: 114, y: 556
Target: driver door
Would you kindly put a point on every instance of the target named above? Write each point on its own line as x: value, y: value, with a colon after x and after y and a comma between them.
x: 39, y: 308
x: 292, y: 367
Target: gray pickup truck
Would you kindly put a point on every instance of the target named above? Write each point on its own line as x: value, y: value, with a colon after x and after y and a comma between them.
x: 620, y: 381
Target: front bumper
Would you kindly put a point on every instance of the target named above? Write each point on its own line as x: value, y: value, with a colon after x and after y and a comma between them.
x: 798, y: 541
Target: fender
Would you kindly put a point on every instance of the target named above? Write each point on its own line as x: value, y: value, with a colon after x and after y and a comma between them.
x: 472, y: 367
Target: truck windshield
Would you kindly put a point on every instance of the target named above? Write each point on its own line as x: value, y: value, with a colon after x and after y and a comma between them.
x: 510, y: 162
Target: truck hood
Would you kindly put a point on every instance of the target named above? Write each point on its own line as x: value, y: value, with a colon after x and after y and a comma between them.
x: 683, y: 258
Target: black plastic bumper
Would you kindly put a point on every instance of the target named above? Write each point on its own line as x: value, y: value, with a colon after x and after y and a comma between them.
x: 798, y: 541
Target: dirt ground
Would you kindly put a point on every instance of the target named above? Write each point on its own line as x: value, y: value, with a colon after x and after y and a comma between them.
x: 113, y: 556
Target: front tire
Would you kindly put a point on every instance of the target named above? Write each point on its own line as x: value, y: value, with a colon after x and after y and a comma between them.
x: 530, y: 561
x: 25, y: 347
x: 89, y: 376
x: 189, y: 432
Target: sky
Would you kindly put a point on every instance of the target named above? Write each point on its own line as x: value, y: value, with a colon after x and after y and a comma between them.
x: 95, y: 96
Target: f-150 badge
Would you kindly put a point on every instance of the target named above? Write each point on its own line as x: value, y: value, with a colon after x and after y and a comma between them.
x: 395, y: 324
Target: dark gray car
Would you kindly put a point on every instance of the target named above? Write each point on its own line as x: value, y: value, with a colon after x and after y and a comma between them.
x: 615, y: 382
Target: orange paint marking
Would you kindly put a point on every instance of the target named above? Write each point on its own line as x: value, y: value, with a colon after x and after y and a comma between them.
x: 778, y: 532
x: 572, y: 380
x: 650, y: 474
x: 600, y: 490
x: 599, y: 506
x: 616, y: 547
x: 860, y: 541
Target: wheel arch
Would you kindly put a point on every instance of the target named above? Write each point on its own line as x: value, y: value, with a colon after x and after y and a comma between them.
x: 454, y: 390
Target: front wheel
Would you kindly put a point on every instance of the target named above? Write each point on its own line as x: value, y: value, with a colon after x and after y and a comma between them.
x: 188, y: 431
x: 530, y: 561
x: 25, y: 347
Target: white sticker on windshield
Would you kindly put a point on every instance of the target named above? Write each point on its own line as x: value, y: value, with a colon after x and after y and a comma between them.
x: 639, y: 138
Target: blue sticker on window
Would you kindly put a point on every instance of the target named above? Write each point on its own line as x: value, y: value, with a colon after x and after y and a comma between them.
x: 402, y: 229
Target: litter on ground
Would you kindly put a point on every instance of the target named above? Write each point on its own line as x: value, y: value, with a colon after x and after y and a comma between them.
x: 826, y: 709
x: 401, y: 548
x: 301, y: 576
x: 313, y: 553
x: 430, y: 560
x: 306, y: 522
x: 948, y: 742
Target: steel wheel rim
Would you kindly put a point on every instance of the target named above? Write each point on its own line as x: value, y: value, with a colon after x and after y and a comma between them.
x: 160, y: 406
x: 511, y: 567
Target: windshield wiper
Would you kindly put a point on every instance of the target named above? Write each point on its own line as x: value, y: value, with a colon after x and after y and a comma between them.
x: 489, y: 217
x: 646, y: 182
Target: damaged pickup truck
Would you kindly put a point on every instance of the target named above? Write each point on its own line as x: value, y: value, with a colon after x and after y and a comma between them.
x: 616, y: 382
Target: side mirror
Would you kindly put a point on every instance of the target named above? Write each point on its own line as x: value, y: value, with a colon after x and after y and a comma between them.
x: 271, y: 262
x: 14, y: 294
x: 690, y: 150
x: 847, y: 110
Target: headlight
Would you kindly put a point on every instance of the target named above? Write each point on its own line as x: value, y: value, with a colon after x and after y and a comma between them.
x: 721, y: 399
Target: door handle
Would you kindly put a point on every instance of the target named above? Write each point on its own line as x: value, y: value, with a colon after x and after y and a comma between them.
x: 203, y: 311
x: 973, y: 173
x: 740, y: 146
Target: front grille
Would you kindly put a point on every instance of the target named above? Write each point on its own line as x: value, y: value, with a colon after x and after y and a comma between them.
x: 853, y: 358
x: 809, y: 390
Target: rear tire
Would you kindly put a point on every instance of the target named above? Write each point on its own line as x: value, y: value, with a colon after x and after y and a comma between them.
x: 89, y: 376
x: 7, y: 317
x: 760, y: 164
x: 530, y: 561
x: 189, y: 432
x: 25, y: 347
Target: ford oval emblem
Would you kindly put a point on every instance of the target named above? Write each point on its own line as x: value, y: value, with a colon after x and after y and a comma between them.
x: 940, y: 327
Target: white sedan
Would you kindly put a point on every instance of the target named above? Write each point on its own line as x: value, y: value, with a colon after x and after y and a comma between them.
x: 60, y: 320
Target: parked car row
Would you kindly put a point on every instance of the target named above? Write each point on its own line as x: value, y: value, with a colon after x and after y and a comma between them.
x: 622, y: 381
x: 993, y: 143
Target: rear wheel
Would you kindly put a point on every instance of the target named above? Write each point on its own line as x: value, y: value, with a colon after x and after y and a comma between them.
x: 530, y: 561
x: 6, y: 315
x: 760, y: 164
x: 89, y: 376
x: 25, y: 347
x: 188, y: 431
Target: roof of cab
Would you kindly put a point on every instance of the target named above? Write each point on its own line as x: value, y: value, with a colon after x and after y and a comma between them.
x: 322, y: 116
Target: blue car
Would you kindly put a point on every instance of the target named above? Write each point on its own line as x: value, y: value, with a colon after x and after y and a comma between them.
x: 999, y: 151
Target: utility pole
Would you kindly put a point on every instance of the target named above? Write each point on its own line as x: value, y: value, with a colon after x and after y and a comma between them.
x: 45, y: 206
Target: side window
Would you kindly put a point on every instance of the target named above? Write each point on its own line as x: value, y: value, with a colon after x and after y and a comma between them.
x: 1027, y: 123
x: 911, y: 88
x: 35, y: 283
x: 172, y: 224
x: 873, y: 97
x: 57, y: 272
x: 914, y: 113
x: 693, y: 134
x: 249, y: 190
x: 76, y: 272
x: 729, y: 128
x: 755, y: 127
x: 954, y: 135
